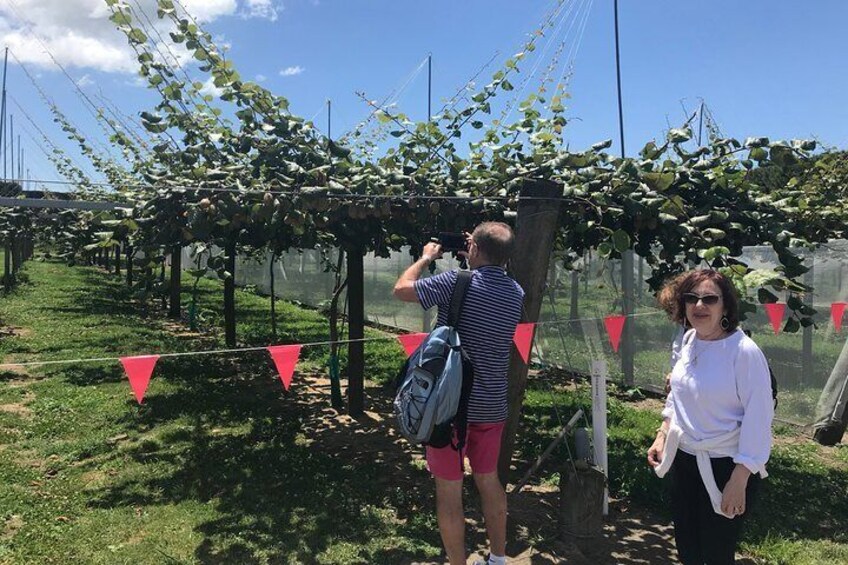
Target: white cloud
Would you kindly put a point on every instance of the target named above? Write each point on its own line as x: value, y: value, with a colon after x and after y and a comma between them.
x: 210, y: 88
x: 85, y: 80
x: 78, y: 33
x: 261, y: 9
x: 292, y: 71
x: 261, y: 78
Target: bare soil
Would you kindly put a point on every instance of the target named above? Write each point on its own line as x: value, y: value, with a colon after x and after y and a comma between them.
x: 630, y: 535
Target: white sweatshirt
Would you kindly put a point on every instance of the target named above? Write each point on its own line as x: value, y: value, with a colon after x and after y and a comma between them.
x: 719, y: 389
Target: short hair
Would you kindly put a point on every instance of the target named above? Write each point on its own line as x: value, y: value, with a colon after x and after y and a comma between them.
x: 495, y: 241
x: 671, y: 296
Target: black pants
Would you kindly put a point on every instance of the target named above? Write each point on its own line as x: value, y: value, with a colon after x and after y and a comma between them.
x: 702, y: 536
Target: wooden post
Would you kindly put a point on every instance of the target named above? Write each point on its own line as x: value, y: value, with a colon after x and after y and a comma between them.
x: 628, y: 346
x: 129, y: 254
x: 174, y: 311
x: 807, y: 360
x: 574, y: 306
x: 356, y: 325
x: 271, y: 260
x: 230, y: 293
x: 13, y: 249
x: 535, y: 229
x: 162, y: 289
x: 7, y: 261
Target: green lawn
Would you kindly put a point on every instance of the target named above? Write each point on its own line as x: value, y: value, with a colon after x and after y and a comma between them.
x: 800, y: 517
x: 221, y: 466
x: 215, y: 467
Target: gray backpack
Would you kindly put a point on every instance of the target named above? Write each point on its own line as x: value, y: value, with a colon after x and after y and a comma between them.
x: 433, y: 387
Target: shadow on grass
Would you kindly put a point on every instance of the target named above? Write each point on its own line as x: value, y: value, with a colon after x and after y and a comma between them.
x: 801, y: 498
x: 288, y: 478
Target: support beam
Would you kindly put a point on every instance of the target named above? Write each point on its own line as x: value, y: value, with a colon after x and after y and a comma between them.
x: 356, y: 327
x: 535, y: 230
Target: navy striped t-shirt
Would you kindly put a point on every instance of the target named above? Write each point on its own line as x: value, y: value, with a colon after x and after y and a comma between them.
x: 492, y: 310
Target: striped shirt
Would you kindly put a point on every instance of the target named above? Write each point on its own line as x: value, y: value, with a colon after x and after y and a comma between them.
x: 492, y: 310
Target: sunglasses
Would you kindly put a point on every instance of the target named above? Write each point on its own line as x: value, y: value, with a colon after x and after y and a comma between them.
x: 707, y: 299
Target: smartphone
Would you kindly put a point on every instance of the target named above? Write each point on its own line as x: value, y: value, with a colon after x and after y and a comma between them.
x: 452, y: 242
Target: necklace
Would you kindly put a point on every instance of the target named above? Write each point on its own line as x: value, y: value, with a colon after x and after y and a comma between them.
x: 695, y: 353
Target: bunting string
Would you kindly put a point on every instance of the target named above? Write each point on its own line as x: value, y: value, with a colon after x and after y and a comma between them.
x: 139, y: 368
x: 265, y: 347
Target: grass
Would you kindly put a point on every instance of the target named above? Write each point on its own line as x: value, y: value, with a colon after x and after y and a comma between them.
x: 216, y: 466
x: 800, y: 517
x: 221, y: 466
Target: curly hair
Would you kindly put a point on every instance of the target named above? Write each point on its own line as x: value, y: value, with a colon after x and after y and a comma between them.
x: 671, y: 296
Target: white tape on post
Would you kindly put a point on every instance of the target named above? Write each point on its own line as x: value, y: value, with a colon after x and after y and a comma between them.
x: 599, y: 420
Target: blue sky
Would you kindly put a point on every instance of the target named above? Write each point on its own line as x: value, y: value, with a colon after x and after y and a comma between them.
x: 775, y: 68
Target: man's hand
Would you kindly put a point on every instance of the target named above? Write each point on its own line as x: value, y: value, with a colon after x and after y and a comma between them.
x: 405, y: 285
x: 468, y: 242
x: 432, y: 251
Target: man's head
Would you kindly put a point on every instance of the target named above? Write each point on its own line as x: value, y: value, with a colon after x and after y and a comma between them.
x: 491, y: 243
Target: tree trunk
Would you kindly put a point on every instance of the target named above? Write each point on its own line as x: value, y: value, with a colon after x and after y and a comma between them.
x: 118, y: 260
x: 230, y: 293
x: 535, y: 229
x: 175, y: 310
x: 162, y: 290
x: 356, y: 325
x: 129, y: 253
x: 273, y: 298
x: 7, y: 272
x: 15, y: 259
x: 335, y: 385
x: 574, y: 309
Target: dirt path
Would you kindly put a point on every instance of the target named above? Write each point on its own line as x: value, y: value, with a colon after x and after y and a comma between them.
x: 631, y: 536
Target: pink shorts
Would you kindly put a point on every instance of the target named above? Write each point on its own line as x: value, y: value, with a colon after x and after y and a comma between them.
x: 482, y: 447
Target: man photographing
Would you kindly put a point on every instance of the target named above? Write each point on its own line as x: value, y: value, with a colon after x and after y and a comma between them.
x: 487, y: 323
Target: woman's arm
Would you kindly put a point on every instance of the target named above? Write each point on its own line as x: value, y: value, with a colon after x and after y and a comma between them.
x: 754, y: 389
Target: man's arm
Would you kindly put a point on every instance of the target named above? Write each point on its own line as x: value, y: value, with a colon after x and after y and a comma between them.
x: 405, y: 285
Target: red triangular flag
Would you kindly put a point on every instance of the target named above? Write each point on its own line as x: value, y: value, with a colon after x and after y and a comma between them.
x: 138, y: 370
x: 410, y: 342
x: 615, y: 325
x: 285, y: 358
x: 523, y: 339
x: 775, y: 312
x: 837, y: 310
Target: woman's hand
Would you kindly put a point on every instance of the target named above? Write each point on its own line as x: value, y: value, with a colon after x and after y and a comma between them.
x: 656, y: 450
x: 733, y: 495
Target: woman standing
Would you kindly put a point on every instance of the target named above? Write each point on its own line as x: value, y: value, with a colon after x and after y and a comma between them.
x: 716, y: 430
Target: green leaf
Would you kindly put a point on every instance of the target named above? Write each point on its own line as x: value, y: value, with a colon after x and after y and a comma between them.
x: 791, y: 326
x: 713, y: 252
x: 679, y: 135
x: 601, y: 145
x: 758, y: 154
x: 659, y: 181
x: 137, y: 36
x: 621, y: 241
x: 765, y: 296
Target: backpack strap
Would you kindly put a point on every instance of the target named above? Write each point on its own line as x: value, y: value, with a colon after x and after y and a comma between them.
x: 463, y: 280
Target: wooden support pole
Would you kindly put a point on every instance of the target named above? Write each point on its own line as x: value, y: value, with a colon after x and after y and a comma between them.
x: 535, y: 230
x: 230, y: 293
x: 174, y: 310
x: 628, y: 345
x: 356, y: 324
